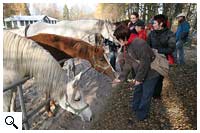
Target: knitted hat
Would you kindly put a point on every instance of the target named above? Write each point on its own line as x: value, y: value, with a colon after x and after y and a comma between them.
x: 139, y: 23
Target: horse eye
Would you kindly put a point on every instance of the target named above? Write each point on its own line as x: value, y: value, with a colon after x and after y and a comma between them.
x: 102, y: 59
x: 77, y: 99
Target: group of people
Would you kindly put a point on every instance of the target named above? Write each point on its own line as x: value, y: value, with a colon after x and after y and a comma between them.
x: 138, y: 53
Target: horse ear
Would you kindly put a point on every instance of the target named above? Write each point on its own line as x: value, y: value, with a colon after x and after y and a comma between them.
x: 96, y: 49
x: 76, y: 79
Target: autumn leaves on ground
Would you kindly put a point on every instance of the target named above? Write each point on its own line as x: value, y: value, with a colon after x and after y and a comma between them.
x: 176, y: 110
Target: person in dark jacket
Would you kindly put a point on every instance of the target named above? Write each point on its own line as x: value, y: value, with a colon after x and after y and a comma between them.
x: 131, y: 25
x: 164, y: 41
x: 112, y: 51
x: 181, y: 37
x: 139, y: 57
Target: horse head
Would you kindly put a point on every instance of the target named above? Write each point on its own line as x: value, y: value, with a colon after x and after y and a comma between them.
x: 101, y: 63
x: 73, y: 100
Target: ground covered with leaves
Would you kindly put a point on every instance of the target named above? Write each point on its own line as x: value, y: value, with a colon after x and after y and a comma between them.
x: 177, y: 109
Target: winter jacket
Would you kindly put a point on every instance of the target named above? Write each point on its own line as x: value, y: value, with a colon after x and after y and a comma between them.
x: 131, y: 27
x: 131, y: 38
x: 142, y: 34
x: 138, y: 50
x: 163, y: 40
x: 182, y: 31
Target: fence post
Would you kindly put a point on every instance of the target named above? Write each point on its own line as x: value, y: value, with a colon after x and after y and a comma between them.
x: 23, y: 109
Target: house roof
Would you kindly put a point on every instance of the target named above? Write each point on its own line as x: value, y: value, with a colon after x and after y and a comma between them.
x: 35, y: 17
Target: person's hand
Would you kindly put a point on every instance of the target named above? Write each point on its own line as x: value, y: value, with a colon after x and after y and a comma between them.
x: 129, y: 24
x: 137, y: 82
x: 155, y: 50
x: 116, y: 81
x: 131, y: 81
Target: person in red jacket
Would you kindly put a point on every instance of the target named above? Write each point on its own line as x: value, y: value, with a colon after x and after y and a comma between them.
x: 140, y: 28
x: 140, y: 32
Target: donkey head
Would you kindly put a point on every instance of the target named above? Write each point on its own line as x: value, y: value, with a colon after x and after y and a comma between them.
x: 73, y: 100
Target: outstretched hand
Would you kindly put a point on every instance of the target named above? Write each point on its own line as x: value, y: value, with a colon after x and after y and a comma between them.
x: 137, y: 82
x: 131, y: 81
x: 116, y: 81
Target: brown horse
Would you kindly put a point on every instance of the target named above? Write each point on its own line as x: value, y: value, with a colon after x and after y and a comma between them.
x: 76, y: 48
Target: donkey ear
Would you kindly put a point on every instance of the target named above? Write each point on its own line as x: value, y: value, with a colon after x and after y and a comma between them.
x: 77, y: 77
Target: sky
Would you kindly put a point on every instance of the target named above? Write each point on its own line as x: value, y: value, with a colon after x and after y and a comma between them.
x: 91, y: 5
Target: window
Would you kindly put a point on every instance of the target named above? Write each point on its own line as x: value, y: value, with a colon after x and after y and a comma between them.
x: 22, y: 23
x: 15, y: 24
x: 26, y: 22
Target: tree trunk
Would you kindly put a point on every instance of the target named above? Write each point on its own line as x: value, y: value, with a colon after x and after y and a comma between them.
x: 188, y: 11
x: 144, y: 13
x: 178, y: 9
x: 195, y: 23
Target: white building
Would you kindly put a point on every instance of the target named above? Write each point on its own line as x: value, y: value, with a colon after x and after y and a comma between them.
x: 19, y: 21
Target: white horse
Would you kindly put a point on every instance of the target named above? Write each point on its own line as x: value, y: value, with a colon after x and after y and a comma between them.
x: 23, y: 57
x: 87, y: 30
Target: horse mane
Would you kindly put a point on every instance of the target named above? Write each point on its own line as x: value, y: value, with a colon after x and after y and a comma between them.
x: 67, y: 44
x: 56, y: 53
x: 27, y: 58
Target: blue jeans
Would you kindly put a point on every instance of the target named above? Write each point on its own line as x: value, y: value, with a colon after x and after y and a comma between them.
x: 142, y: 98
x: 179, y: 53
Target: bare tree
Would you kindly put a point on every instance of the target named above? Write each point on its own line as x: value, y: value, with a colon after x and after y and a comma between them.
x: 65, y: 12
x: 50, y: 9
